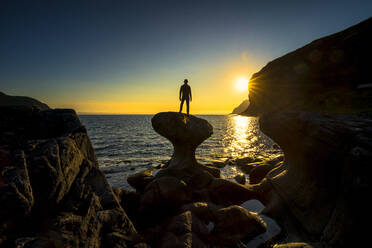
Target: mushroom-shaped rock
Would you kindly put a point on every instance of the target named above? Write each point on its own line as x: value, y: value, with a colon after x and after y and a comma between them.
x: 185, y: 133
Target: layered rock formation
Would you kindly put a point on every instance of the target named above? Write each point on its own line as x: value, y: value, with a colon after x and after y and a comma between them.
x: 6, y: 100
x: 331, y: 74
x: 52, y: 192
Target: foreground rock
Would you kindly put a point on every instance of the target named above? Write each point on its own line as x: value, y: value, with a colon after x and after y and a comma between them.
x: 51, y: 189
x: 141, y: 179
x: 321, y: 196
x: 235, y: 223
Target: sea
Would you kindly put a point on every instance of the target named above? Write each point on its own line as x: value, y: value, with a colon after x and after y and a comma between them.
x: 126, y: 144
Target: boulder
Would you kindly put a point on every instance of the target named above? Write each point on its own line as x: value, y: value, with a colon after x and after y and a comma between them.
x: 205, y: 211
x: 225, y: 192
x: 240, y: 178
x: 245, y: 160
x: 259, y: 172
x: 55, y: 194
x: 182, y: 231
x: 235, y: 223
x: 196, y: 177
x: 141, y: 179
x: 247, y: 168
x: 165, y: 193
x: 180, y: 224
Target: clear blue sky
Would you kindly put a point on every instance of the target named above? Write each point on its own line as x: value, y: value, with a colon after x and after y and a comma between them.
x: 126, y: 54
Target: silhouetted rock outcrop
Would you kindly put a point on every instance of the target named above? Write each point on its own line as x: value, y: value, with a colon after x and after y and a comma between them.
x: 52, y: 192
x: 315, y: 102
x: 331, y: 74
x: 241, y: 108
x: 6, y: 100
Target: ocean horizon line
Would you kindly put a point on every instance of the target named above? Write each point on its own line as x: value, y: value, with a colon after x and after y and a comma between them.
x: 84, y: 113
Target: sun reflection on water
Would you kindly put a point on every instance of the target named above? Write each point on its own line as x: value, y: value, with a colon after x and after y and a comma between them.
x: 234, y: 137
x: 242, y: 136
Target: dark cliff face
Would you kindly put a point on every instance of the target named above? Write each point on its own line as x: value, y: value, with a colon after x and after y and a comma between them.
x: 52, y: 192
x: 330, y: 75
x: 326, y: 176
x: 6, y: 100
x: 310, y: 102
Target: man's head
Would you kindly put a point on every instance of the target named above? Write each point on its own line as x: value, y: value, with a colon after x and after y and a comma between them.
x: 185, y: 81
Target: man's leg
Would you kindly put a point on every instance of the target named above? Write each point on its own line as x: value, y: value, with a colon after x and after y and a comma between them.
x: 181, y: 105
x: 187, y: 105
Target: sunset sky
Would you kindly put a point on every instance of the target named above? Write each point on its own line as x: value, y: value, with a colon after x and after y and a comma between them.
x: 132, y: 56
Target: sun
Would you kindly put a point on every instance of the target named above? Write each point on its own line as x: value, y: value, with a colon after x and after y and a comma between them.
x: 241, y: 84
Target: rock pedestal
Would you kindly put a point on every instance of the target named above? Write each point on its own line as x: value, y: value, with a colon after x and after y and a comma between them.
x: 185, y: 133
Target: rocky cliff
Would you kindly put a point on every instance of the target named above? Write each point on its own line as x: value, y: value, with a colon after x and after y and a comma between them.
x: 52, y: 192
x: 331, y: 75
x: 315, y: 103
x: 241, y: 108
x: 6, y: 100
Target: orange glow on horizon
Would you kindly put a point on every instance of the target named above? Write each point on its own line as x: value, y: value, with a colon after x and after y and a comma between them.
x: 215, y: 90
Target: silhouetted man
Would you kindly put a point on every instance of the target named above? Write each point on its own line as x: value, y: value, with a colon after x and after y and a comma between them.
x: 185, y: 94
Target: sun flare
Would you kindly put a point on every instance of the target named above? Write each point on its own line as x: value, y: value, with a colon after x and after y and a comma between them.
x: 241, y: 84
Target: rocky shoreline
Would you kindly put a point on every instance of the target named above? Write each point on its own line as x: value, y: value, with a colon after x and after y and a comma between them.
x: 56, y: 196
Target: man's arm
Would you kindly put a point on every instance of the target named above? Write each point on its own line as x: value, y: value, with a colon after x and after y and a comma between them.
x: 180, y: 93
x: 190, y: 94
